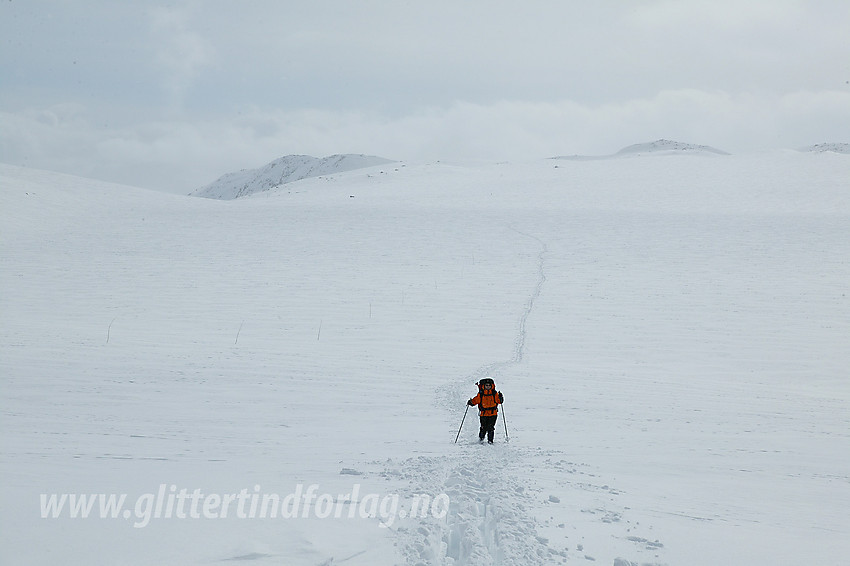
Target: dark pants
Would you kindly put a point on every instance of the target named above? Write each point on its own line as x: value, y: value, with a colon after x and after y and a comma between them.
x: 488, y: 425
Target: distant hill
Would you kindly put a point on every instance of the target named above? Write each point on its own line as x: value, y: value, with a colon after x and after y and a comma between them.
x: 284, y: 170
x: 669, y: 146
x: 824, y: 147
x: 664, y: 147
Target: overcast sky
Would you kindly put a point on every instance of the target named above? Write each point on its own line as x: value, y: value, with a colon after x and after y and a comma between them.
x: 171, y: 95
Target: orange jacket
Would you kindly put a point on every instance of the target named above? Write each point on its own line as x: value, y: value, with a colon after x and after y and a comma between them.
x: 488, y: 403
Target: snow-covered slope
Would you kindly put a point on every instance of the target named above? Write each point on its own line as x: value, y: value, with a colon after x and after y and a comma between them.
x: 284, y: 170
x: 670, y: 335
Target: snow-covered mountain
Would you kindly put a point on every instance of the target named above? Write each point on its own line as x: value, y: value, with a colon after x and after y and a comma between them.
x: 824, y: 147
x: 657, y: 147
x: 284, y: 170
x: 669, y: 147
x: 670, y: 336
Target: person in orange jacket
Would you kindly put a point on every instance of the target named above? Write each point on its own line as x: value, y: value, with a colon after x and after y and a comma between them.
x: 488, y: 401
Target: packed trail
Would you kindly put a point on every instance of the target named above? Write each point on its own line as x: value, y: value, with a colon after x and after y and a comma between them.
x: 490, y: 520
x: 282, y: 378
x: 487, y: 522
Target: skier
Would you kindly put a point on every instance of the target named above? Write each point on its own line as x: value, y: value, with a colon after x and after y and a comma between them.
x: 488, y: 401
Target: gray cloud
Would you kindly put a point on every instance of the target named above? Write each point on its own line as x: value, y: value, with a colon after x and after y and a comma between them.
x: 181, y: 155
x: 173, y: 94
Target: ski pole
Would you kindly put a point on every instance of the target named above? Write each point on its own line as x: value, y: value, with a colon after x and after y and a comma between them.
x: 504, y: 420
x: 461, y: 423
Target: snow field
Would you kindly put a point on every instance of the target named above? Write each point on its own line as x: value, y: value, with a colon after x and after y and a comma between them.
x: 670, y: 334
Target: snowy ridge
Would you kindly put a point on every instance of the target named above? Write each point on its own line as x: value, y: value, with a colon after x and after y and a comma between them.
x: 284, y: 170
x: 828, y: 147
x: 657, y: 147
x: 669, y: 147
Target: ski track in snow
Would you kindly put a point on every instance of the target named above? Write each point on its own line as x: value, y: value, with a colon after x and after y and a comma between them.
x: 489, y: 520
x: 538, y: 288
x: 455, y: 394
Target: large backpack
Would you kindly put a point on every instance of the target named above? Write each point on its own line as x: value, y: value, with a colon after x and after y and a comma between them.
x: 493, y: 397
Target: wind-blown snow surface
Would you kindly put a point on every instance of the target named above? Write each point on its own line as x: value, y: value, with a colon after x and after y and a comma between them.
x: 670, y: 334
